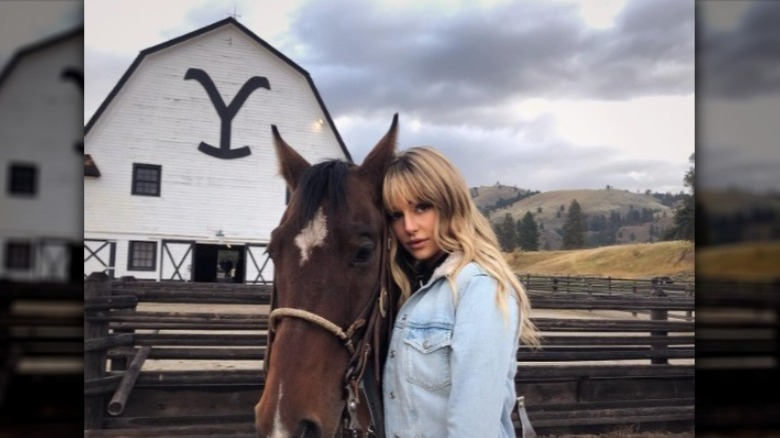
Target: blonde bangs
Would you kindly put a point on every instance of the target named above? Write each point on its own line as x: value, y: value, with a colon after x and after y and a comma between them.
x: 401, y: 187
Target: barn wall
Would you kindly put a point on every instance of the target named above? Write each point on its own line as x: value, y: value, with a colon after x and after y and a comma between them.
x: 40, y: 123
x: 160, y: 118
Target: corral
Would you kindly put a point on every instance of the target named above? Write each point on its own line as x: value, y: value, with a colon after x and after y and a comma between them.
x: 601, y: 366
x: 41, y: 338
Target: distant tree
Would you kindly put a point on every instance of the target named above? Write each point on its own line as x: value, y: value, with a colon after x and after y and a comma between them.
x: 632, y: 236
x: 528, y: 233
x: 499, y: 234
x: 684, y: 217
x: 508, y: 237
x: 574, y: 227
x: 538, y: 209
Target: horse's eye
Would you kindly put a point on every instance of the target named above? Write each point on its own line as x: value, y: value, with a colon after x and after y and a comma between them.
x: 363, y: 253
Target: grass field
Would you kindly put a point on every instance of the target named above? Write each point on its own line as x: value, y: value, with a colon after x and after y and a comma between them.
x: 752, y: 261
x: 635, y: 261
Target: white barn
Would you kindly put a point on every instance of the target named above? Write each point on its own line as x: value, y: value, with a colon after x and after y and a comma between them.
x: 180, y: 176
x: 42, y: 131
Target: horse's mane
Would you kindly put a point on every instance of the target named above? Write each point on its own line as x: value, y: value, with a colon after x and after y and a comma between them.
x: 324, y: 180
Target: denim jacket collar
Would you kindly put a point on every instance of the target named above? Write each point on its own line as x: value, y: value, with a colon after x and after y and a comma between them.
x: 446, y: 269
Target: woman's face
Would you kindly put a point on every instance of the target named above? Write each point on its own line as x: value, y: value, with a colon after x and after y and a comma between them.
x: 413, y: 225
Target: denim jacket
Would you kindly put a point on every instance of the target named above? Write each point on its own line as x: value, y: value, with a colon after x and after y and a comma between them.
x: 450, y: 371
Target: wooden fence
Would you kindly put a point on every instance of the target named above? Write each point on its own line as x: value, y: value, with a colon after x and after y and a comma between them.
x: 601, y: 366
x: 41, y: 359
x: 607, y: 285
x: 738, y: 356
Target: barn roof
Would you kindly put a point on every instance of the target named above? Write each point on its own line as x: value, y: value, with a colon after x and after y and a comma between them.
x: 201, y: 31
x: 32, y: 48
x: 90, y: 168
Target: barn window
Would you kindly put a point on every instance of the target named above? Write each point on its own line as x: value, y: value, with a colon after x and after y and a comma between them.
x: 143, y: 256
x: 23, y: 179
x: 18, y: 256
x: 146, y: 179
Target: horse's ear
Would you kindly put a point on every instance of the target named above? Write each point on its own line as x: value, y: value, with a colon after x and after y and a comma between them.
x: 291, y: 164
x: 378, y: 160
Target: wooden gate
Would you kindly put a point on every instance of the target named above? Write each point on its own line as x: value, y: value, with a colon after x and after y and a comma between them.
x: 176, y: 262
x: 99, y: 256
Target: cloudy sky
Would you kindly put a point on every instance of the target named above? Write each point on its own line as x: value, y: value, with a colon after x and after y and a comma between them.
x: 738, y: 65
x: 24, y: 22
x: 543, y: 95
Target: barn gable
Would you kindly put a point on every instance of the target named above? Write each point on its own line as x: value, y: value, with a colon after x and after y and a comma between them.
x: 41, y: 127
x: 187, y: 169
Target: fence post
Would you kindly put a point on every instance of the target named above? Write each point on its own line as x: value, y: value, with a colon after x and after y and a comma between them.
x: 688, y: 293
x: 658, y: 315
x: 777, y: 315
x: 97, y: 285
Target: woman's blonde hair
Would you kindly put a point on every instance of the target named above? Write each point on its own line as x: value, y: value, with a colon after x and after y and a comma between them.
x: 423, y: 174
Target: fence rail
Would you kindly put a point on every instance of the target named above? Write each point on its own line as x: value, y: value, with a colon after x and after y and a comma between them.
x: 612, y: 360
x: 738, y: 353
x: 41, y: 358
x: 607, y: 285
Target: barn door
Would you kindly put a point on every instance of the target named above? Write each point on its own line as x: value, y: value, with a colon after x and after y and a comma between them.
x: 176, y: 260
x: 99, y: 256
x: 259, y: 266
x: 53, y: 260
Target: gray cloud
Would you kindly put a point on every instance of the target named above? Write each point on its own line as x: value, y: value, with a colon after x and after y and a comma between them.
x: 456, y: 76
x: 739, y: 98
x: 530, y: 161
x: 742, y: 62
x: 372, y: 60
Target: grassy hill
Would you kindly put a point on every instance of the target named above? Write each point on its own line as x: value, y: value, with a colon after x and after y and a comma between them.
x: 726, y: 202
x: 641, y: 261
x: 487, y: 196
x: 731, y: 216
x: 748, y: 261
x: 547, y: 210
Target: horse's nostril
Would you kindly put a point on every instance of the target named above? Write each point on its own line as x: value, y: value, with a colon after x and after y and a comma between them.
x: 309, y: 429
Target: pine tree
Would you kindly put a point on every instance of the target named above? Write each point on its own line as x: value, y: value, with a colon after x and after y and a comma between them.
x: 574, y: 227
x: 528, y: 233
x: 508, y: 237
x: 685, y: 216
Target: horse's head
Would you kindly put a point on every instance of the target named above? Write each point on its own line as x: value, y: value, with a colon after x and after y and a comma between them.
x: 328, y: 255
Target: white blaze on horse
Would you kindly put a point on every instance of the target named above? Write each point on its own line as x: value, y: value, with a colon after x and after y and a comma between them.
x: 331, y: 313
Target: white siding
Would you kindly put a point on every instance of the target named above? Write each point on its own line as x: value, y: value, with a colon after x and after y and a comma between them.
x: 40, y: 123
x: 160, y: 118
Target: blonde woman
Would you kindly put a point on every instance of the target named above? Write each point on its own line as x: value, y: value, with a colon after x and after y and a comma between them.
x: 451, y: 365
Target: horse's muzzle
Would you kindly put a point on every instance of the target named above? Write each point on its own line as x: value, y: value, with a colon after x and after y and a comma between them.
x: 306, y: 429
x: 309, y: 429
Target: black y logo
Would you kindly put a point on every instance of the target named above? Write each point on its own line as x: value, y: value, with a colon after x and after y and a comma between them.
x: 226, y: 113
x: 73, y: 74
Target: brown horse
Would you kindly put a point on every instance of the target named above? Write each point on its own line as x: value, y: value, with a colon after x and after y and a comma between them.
x: 330, y: 312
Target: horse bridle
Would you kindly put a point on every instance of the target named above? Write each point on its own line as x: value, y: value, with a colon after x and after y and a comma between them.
x: 372, y: 315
